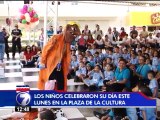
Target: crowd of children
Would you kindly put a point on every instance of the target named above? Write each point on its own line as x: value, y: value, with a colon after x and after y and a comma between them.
x: 117, y: 61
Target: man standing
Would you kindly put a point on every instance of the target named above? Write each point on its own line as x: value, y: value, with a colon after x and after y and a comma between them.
x: 16, y: 40
x: 144, y: 33
x: 6, y: 36
x: 2, y: 46
x: 55, y: 59
x: 134, y: 32
x: 50, y: 31
x: 60, y: 30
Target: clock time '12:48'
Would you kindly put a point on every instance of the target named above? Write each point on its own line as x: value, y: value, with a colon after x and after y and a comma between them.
x: 22, y: 108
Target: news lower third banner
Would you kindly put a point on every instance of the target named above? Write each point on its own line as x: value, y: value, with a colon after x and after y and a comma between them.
x: 39, y: 98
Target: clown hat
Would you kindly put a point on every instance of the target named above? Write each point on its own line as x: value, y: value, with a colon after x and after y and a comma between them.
x: 73, y: 23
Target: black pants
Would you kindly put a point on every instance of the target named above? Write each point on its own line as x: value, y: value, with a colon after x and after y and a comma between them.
x: 28, y: 64
x: 14, y: 44
x: 58, y: 76
x: 116, y: 87
x: 6, y: 48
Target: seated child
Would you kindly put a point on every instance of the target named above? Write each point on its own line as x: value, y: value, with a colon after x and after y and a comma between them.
x: 80, y: 73
x: 95, y: 77
x: 108, y: 73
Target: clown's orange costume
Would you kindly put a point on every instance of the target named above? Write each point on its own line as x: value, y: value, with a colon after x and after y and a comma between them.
x: 56, y: 58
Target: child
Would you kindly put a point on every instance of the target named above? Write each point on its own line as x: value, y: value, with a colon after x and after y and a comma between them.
x: 88, y: 53
x: 138, y: 47
x: 89, y: 70
x: 80, y: 73
x: 85, y: 60
x: 110, y: 53
x: 89, y: 48
x: 147, y: 113
x: 108, y: 73
x: 93, y: 50
x: 116, y: 55
x: 155, y: 61
x: 148, y: 62
x: 134, y: 59
x: 106, y: 53
x: 73, y: 67
x: 92, y: 60
x: 125, y: 54
x: 97, y: 58
x: 153, y: 85
x: 101, y: 55
x: 109, y: 60
x: 95, y: 78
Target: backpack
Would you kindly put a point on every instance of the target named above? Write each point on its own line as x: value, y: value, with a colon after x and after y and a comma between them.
x: 2, y: 37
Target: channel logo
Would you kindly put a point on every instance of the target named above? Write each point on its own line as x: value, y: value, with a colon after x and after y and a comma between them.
x: 23, y: 98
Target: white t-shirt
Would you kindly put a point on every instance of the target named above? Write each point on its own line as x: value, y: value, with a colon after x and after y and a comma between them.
x: 99, y: 42
x: 141, y: 40
x: 151, y: 40
x: 134, y: 41
x: 157, y: 39
x: 96, y: 33
x: 110, y: 36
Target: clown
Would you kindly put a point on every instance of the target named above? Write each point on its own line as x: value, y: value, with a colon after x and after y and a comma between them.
x: 56, y: 57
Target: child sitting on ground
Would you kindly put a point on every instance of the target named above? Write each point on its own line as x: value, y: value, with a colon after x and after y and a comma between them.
x: 94, y: 78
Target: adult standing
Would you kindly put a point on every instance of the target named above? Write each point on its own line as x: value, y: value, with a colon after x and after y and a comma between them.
x: 41, y: 38
x: 6, y: 36
x: 144, y: 32
x: 134, y: 32
x: 110, y: 34
x: 97, y: 32
x: 2, y: 46
x: 60, y: 30
x: 16, y: 40
x: 50, y: 31
x: 86, y: 31
x: 115, y: 34
x: 56, y: 57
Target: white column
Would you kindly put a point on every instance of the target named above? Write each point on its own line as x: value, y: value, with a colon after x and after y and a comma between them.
x: 55, y: 17
x: 45, y: 22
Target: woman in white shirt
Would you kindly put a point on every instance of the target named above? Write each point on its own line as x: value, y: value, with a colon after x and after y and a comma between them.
x: 107, y: 41
x: 99, y: 42
x: 151, y: 40
x: 141, y: 40
x: 133, y: 41
x: 110, y: 34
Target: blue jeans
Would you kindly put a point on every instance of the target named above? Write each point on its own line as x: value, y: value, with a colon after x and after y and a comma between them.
x: 41, y: 44
x: 2, y: 50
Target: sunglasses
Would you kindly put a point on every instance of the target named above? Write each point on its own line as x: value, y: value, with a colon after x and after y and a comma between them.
x: 28, y: 48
